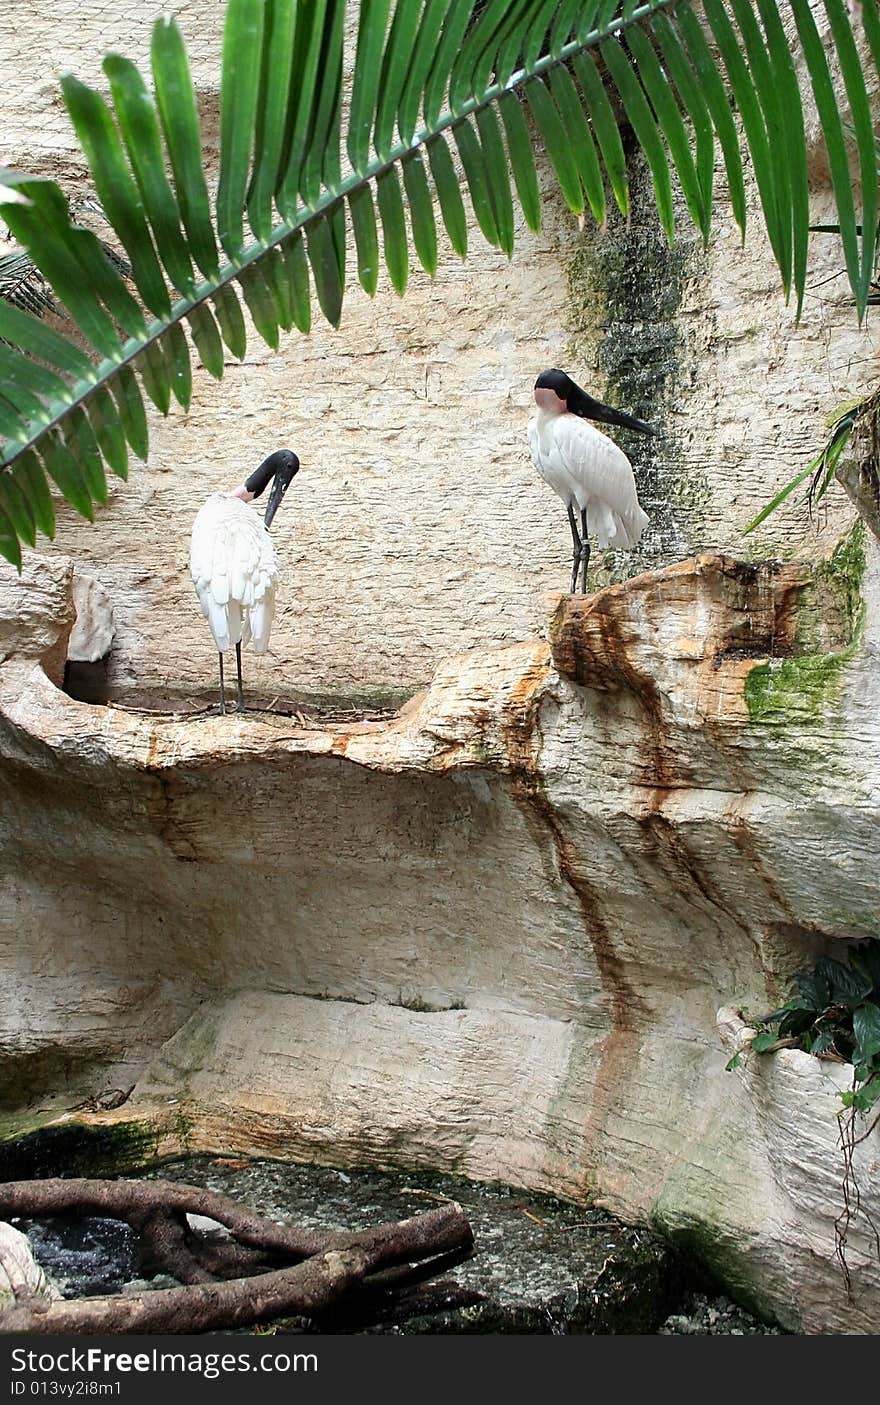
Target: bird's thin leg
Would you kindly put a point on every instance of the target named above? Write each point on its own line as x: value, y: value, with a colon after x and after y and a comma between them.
x: 585, y: 551
x: 576, y: 554
x: 222, y: 689
x: 238, y: 668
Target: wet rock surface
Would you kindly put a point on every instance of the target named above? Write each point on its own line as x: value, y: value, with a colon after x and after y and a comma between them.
x: 541, y: 1266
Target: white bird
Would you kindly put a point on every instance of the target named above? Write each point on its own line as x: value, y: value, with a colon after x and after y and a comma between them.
x: 232, y: 562
x: 585, y: 467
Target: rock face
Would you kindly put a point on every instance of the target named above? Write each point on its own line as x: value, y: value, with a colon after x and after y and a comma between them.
x: 418, y: 528
x: 20, y: 1274
x: 491, y: 935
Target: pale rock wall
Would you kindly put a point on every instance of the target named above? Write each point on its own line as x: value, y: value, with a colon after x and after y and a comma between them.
x: 490, y: 935
x: 418, y: 527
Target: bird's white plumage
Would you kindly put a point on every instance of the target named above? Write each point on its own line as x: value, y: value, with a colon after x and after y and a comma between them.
x: 590, y: 472
x: 232, y: 562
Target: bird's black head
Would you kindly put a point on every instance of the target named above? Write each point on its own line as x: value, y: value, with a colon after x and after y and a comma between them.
x: 280, y: 469
x: 557, y: 386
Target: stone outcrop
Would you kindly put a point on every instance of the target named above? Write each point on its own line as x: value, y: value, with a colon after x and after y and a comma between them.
x: 20, y: 1274
x: 491, y: 934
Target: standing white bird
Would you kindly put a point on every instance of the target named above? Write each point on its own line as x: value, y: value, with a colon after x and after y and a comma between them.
x: 585, y: 467
x: 232, y: 562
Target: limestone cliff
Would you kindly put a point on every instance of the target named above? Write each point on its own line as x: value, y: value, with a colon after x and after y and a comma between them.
x: 491, y: 934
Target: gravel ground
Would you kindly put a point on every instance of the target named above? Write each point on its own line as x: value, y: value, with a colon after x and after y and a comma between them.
x: 700, y: 1316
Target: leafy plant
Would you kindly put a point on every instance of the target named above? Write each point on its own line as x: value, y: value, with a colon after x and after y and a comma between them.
x: 430, y: 77
x: 821, y: 469
x: 834, y: 1011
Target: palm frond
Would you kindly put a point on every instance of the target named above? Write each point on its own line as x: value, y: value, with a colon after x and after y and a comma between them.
x: 820, y: 470
x: 437, y: 85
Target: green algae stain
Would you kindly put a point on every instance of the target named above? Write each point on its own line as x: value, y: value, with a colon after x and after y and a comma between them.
x: 799, y: 689
x: 793, y: 690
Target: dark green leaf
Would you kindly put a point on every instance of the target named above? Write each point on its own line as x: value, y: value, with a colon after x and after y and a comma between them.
x: 454, y: 29
x: 116, y: 189
x: 176, y: 101
x: 824, y: 1040
x: 476, y: 52
x: 321, y: 165
x: 13, y: 426
x: 670, y: 121
x: 866, y: 1028
x: 588, y: 20
x: 367, y: 71
x: 366, y: 238
x: 421, y: 212
x: 325, y: 270
x: 231, y: 320
x: 716, y: 98
x: 733, y: 1063
x: 557, y: 143
x: 107, y: 282
x: 766, y: 172
x: 272, y: 266
x: 395, y: 66
x: 80, y: 440
x: 793, y: 135
x: 261, y: 305
x: 448, y: 194
x: 795, y: 1022
x: 308, y: 41
x: 155, y: 376
x: 510, y: 48
x: 862, y: 122
x: 536, y: 33
x: 781, y: 496
x: 30, y: 476
x: 207, y: 340
x: 762, y: 1042
x: 581, y: 138
x: 139, y: 124
x: 37, y: 339
x: 44, y: 228
x: 132, y: 416
x: 645, y: 128
x: 105, y: 421
x: 17, y: 507
x: 846, y: 987
x: 522, y: 161
x: 239, y: 94
x: 298, y: 282
x: 814, y: 989
x: 279, y: 27
x: 423, y: 55
x: 866, y: 961
x: 569, y: 12
x: 27, y: 377
x: 67, y: 474
x: 497, y: 178
x: 605, y: 127
x: 176, y: 352
x: 694, y: 102
x: 475, y: 174
x: 393, y: 228
x: 767, y: 88
x: 9, y: 544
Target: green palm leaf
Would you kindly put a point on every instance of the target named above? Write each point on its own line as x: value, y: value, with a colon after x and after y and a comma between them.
x: 483, y: 77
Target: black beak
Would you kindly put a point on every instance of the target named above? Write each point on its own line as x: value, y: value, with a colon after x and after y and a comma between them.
x: 606, y: 414
x: 279, y: 488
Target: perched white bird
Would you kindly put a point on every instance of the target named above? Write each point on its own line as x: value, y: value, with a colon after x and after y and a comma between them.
x: 585, y: 467
x: 232, y: 562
